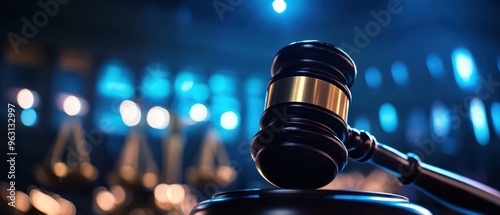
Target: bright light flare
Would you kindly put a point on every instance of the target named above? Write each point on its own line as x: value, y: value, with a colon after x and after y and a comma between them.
x: 198, y: 112
x: 130, y: 112
x: 158, y: 117
x: 25, y: 99
x: 72, y: 105
x: 464, y: 68
x: 279, y: 6
x: 229, y: 120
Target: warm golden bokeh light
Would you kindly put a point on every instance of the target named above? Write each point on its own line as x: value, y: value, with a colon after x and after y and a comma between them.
x: 160, y: 193
x: 60, y: 169
x: 22, y: 203
x: 88, y: 171
x: 127, y: 172
x: 105, y: 200
x: 175, y: 193
x: 149, y: 180
x: 44, y: 202
x: 225, y: 174
x: 377, y: 180
x: 65, y: 206
x: 119, y: 193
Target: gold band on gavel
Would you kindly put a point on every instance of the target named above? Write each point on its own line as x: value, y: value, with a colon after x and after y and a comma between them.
x: 308, y: 90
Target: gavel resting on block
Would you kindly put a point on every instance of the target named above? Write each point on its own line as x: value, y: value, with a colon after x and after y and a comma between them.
x: 304, y: 142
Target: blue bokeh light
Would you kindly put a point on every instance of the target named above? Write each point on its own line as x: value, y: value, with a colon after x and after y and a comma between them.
x: 495, y: 117
x: 388, y: 117
x: 479, y: 121
x: 223, y: 103
x: 255, y: 107
x: 416, y: 125
x: 184, y: 82
x: 114, y: 85
x: 373, y: 77
x: 435, y: 65
x: 255, y: 87
x: 227, y: 125
x: 29, y: 117
x: 115, y: 81
x: 440, y: 119
x: 187, y: 86
x: 255, y: 90
x: 464, y: 68
x: 362, y: 123
x: 399, y: 73
x: 223, y: 84
x: 201, y: 93
x: 155, y: 83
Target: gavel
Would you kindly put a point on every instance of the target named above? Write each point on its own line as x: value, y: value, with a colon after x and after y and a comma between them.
x: 305, y: 141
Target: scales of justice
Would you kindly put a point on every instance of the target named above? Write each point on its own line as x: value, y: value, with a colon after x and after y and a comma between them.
x: 304, y: 149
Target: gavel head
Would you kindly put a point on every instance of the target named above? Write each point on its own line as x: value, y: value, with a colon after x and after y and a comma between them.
x: 303, y: 127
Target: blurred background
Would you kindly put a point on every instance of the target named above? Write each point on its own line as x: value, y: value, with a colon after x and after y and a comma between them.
x: 148, y: 107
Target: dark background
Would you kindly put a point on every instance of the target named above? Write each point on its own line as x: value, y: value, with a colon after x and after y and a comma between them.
x: 69, y: 55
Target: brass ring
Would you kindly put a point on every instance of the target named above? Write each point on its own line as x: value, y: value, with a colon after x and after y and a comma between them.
x: 308, y: 90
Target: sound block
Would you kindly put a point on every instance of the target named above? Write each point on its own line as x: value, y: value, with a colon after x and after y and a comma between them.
x: 306, y: 202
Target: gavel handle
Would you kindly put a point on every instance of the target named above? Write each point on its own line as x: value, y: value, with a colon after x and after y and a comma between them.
x: 457, y: 192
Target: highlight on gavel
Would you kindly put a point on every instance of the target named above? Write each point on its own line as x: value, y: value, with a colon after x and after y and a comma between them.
x: 305, y: 141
